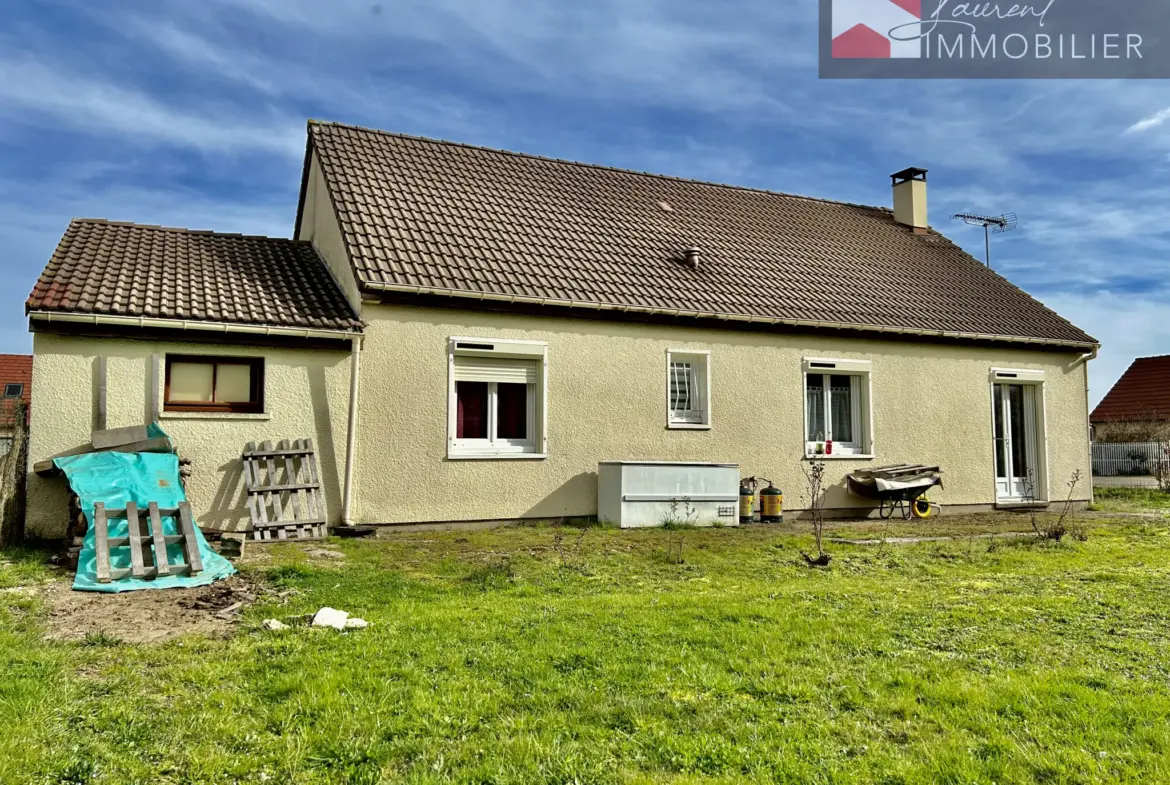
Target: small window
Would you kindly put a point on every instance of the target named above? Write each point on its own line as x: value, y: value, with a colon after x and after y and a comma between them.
x: 836, y: 408
x: 13, y: 390
x: 214, y: 384
x: 688, y: 398
x: 496, y: 400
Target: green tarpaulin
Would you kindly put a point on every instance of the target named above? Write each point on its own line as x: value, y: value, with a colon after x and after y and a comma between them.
x: 116, y: 478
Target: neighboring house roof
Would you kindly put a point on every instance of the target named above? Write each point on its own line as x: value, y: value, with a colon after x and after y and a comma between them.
x: 419, y: 215
x: 122, y: 269
x: 1142, y: 393
x: 14, y: 369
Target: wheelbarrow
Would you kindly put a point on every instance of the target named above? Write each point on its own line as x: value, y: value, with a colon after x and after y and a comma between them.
x: 900, y: 488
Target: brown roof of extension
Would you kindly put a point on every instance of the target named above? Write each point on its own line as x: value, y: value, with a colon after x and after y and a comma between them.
x: 419, y: 214
x: 1142, y: 393
x: 121, y: 269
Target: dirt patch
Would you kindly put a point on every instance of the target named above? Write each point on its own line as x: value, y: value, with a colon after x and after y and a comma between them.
x: 146, y: 616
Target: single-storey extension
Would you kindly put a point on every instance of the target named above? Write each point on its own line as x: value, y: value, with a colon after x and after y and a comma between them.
x: 466, y: 333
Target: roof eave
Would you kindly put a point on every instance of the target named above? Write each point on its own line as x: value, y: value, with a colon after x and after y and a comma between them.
x: 1078, y: 346
x: 187, y: 325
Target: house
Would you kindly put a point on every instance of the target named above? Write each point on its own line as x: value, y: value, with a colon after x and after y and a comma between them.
x: 466, y: 333
x: 15, y: 394
x: 1137, y: 407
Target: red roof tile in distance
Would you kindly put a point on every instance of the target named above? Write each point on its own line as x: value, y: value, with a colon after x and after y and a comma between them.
x: 1142, y: 393
x: 122, y: 269
x: 17, y: 369
x: 467, y: 220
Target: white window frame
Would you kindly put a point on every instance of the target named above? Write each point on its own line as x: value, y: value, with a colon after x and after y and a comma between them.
x: 1034, y: 378
x: 861, y: 399
x: 533, y: 448
x: 690, y: 419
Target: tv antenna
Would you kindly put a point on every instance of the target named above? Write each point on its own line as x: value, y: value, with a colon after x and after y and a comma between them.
x: 990, y: 223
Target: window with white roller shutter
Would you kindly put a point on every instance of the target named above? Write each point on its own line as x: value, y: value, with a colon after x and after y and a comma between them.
x: 496, y: 399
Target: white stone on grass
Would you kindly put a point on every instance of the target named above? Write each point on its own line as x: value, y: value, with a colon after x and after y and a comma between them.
x: 330, y: 617
x: 356, y: 624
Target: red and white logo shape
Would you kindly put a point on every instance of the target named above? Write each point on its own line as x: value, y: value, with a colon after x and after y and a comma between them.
x: 861, y: 28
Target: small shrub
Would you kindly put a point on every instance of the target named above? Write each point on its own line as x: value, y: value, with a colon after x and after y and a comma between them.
x: 814, y: 475
x: 493, y: 574
x: 101, y: 640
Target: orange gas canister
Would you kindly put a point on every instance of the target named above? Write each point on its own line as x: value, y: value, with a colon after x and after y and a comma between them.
x: 772, y: 504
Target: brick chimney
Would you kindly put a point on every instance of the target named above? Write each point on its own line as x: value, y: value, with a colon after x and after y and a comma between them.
x: 910, y: 198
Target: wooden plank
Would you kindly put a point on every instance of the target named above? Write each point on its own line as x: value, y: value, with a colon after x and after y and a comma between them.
x: 101, y: 542
x: 122, y: 542
x: 315, y: 477
x: 270, y: 462
x: 134, y: 527
x: 274, y: 488
x: 290, y: 481
x: 253, y: 453
x: 100, y: 425
x: 250, y: 481
x: 190, y: 541
x: 160, y: 543
x: 154, y: 385
x: 116, y: 437
x: 286, y: 524
x: 47, y: 469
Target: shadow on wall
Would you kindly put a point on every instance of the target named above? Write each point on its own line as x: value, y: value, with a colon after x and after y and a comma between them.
x: 327, y: 444
x: 577, y: 496
x: 229, y: 510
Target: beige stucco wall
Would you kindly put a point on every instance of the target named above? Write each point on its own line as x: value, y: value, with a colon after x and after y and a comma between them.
x: 607, y: 398
x: 306, y: 395
x: 319, y: 225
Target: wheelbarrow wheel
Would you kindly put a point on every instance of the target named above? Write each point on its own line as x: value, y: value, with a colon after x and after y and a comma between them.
x: 921, y: 507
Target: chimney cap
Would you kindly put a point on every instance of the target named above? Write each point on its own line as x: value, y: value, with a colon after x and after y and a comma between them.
x: 910, y: 173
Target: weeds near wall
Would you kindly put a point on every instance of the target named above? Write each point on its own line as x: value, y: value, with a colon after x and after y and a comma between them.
x: 814, y: 476
x: 568, y: 548
x: 13, y: 466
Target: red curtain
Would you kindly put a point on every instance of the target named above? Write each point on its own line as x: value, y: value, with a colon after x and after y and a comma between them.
x: 471, y: 417
x: 512, y: 405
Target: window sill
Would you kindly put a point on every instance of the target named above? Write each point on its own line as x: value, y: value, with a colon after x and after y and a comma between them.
x: 214, y: 416
x: 846, y: 457
x: 688, y: 426
x: 496, y: 456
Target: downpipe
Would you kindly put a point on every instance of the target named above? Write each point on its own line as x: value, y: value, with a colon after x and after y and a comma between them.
x: 351, y: 432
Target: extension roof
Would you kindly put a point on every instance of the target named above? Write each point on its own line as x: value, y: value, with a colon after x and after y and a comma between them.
x: 1142, y: 393
x: 426, y: 216
x: 122, y: 269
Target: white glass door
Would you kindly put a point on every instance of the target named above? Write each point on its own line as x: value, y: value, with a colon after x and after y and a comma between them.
x: 1015, y: 441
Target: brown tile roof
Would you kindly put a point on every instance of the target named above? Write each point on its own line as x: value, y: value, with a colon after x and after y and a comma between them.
x: 1142, y: 393
x: 121, y: 269
x: 14, y: 369
x: 420, y: 213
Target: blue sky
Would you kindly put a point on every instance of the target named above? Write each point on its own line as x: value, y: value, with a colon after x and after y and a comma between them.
x: 192, y: 114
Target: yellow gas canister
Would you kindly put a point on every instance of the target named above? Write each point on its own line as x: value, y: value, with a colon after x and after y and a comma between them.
x: 747, y: 499
x: 772, y: 504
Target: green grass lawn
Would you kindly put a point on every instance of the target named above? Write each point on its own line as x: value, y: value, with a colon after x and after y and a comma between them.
x: 499, y: 657
x: 1131, y: 500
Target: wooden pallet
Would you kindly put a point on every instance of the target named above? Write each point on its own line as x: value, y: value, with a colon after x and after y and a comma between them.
x: 284, y: 491
x: 148, y: 545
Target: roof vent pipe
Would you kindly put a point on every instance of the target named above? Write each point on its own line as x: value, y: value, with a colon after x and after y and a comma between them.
x: 691, y: 255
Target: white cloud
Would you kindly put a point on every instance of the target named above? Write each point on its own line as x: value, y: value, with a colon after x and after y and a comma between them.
x: 33, y: 93
x: 1152, y: 121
